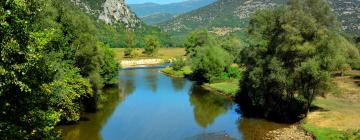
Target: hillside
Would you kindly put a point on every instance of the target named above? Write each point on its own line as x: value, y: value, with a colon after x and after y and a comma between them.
x: 153, y: 13
x: 225, y: 16
x: 157, y: 18
x: 110, y: 11
x: 113, y: 20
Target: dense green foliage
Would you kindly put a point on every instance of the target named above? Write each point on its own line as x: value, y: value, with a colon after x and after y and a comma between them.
x: 234, y: 46
x: 178, y: 63
x: 152, y: 45
x: 291, y: 54
x: 51, y: 66
x: 198, y: 38
x: 130, y: 43
x: 209, y: 63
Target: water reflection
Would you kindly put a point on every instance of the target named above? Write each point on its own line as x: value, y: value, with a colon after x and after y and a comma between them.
x: 208, y: 106
x: 178, y: 84
x: 152, y: 79
x: 256, y: 129
x: 179, y: 110
x: 90, y: 125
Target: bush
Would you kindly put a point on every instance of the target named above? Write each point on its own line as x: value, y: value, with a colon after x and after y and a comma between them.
x: 152, y: 45
x: 178, y: 63
x: 209, y: 63
x: 177, y: 73
x: 233, y: 72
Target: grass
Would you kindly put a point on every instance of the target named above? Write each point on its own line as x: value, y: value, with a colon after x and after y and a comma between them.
x: 228, y: 87
x: 331, y: 134
x: 180, y: 73
x: 163, y: 53
x: 338, y: 116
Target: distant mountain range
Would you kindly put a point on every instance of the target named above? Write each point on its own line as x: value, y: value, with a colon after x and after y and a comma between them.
x: 153, y: 13
x: 226, y: 16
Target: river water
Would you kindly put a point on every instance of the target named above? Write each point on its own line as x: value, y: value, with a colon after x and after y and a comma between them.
x: 148, y: 105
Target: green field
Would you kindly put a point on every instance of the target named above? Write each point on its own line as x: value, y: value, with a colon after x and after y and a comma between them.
x: 338, y: 114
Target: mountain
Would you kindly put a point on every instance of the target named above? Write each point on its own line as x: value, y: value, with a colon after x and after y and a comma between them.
x: 157, y: 18
x: 226, y: 16
x: 153, y: 13
x: 110, y: 11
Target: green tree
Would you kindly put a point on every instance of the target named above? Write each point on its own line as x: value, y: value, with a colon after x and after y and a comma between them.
x: 233, y: 46
x: 198, y: 38
x: 130, y: 43
x: 50, y: 62
x: 209, y: 63
x: 152, y: 45
x: 24, y: 104
x: 292, y: 52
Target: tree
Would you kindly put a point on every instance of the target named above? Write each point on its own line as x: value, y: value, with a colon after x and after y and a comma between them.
x: 209, y: 63
x: 291, y: 54
x: 152, y: 45
x: 233, y: 46
x: 49, y: 63
x: 198, y: 38
x: 23, y: 72
x: 130, y: 43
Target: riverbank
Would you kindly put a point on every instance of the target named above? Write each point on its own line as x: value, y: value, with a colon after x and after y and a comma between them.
x: 337, y: 115
x: 163, y: 56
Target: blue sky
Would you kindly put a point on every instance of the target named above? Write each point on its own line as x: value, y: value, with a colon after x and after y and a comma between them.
x: 154, y: 1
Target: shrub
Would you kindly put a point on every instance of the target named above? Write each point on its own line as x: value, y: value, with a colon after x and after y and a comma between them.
x: 178, y: 63
x: 152, y: 45
x: 209, y: 63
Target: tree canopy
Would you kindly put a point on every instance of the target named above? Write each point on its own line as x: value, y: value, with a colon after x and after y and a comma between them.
x: 291, y: 54
x: 51, y: 65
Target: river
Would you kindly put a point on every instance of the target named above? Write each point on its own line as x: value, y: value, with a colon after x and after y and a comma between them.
x: 148, y: 105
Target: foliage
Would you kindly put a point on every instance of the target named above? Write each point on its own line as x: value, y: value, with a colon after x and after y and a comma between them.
x: 233, y: 72
x: 23, y: 72
x: 184, y: 71
x: 50, y: 62
x: 209, y: 63
x: 292, y: 52
x: 178, y: 63
x: 233, y: 46
x: 130, y: 44
x: 110, y: 67
x: 198, y: 38
x: 152, y: 45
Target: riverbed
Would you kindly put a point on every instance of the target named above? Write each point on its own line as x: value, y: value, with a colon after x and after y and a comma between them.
x: 148, y: 105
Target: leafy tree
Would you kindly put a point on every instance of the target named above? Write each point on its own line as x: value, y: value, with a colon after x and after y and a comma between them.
x: 130, y: 43
x: 233, y: 46
x: 110, y: 67
x: 198, y: 38
x: 292, y: 52
x: 178, y: 63
x: 152, y: 45
x: 50, y: 62
x: 209, y: 63
x: 24, y: 104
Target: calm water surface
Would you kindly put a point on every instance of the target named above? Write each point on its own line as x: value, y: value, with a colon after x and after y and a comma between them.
x: 151, y: 106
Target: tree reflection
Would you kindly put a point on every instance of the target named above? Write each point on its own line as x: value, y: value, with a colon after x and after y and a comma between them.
x: 178, y: 84
x: 152, y: 79
x: 208, y: 106
x: 91, y: 124
x: 256, y: 129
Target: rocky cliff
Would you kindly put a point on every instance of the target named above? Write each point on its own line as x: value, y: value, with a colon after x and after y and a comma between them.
x: 110, y: 11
